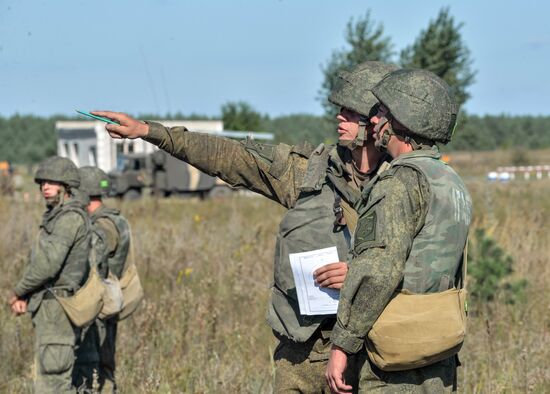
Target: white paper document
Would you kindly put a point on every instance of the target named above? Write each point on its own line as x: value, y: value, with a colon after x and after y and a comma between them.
x: 314, y: 300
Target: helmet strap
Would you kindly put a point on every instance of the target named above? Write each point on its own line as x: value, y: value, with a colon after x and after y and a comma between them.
x: 382, y: 143
x: 416, y: 142
x: 362, y: 135
x: 62, y: 194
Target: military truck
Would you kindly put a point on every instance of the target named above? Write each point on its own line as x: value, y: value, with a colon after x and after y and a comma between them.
x: 162, y: 175
x: 136, y: 167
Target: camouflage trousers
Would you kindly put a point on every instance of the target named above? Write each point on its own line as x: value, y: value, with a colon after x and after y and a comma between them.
x: 436, y: 378
x: 55, y: 339
x: 86, y: 369
x: 107, y: 350
x: 95, y: 357
x: 300, y: 366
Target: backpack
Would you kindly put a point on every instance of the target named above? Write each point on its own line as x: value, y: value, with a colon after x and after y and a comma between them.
x: 98, y: 297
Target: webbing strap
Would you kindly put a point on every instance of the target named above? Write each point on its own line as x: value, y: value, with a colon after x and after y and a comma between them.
x: 465, y: 265
x: 340, y: 184
x: 464, y: 271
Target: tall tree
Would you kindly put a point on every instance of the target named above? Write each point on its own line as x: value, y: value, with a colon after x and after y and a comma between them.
x: 297, y: 128
x: 441, y: 50
x: 365, y: 41
x: 240, y: 116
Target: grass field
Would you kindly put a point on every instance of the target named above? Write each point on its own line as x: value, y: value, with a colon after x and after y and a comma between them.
x: 207, y: 265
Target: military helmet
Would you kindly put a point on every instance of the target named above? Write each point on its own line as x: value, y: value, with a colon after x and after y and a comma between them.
x: 420, y: 101
x: 94, y: 182
x: 352, y: 88
x: 58, y: 169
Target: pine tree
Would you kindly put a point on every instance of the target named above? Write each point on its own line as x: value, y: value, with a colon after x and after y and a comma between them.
x: 492, y: 272
x: 440, y: 49
x: 240, y: 116
x: 366, y: 42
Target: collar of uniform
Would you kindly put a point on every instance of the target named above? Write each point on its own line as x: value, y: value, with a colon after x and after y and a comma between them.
x: 338, y: 159
x: 50, y: 215
x: 103, y: 210
x: 431, y: 153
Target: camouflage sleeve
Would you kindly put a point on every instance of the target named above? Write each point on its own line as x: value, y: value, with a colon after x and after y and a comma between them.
x: 275, y: 171
x: 383, y: 239
x: 111, y: 234
x: 50, y: 252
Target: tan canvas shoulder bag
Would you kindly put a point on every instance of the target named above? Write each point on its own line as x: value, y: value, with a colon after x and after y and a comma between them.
x: 416, y: 330
x: 84, y: 305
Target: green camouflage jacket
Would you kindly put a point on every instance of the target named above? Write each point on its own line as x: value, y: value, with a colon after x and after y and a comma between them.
x: 59, y: 258
x: 295, y: 177
x: 413, y: 224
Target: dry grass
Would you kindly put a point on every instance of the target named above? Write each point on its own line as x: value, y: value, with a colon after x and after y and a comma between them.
x: 206, y: 268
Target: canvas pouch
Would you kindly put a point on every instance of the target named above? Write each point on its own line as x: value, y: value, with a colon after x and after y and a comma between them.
x: 416, y: 330
x: 84, y: 305
x: 112, y: 297
x: 132, y: 291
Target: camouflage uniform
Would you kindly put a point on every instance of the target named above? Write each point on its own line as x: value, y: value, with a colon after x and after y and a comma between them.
x: 413, y: 225
x: 58, y: 264
x: 99, y: 345
x: 318, y: 187
x: 295, y: 177
x: 117, y: 234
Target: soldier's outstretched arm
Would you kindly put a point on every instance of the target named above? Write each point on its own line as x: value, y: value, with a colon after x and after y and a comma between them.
x: 275, y: 171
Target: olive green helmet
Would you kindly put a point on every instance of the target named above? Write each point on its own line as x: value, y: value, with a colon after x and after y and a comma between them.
x: 352, y: 89
x: 94, y: 182
x: 420, y: 101
x: 58, y: 169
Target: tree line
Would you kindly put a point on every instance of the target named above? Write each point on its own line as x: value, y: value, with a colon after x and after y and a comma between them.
x: 28, y: 139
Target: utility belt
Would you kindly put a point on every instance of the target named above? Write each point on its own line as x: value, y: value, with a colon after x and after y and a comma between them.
x: 51, y: 293
x: 322, y: 332
x: 316, y: 348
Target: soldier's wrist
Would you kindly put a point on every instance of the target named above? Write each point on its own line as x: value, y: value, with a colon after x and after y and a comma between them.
x: 17, y: 292
x: 346, y: 341
x: 143, y: 129
x: 155, y: 132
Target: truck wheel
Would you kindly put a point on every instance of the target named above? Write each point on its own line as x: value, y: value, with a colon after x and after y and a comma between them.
x: 132, y: 194
x: 220, y: 192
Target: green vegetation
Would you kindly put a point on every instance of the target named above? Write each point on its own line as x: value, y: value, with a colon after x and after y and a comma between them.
x: 293, y: 129
x: 366, y: 42
x: 491, y: 270
x: 29, y: 139
x: 240, y: 116
x: 206, y: 267
x: 439, y: 48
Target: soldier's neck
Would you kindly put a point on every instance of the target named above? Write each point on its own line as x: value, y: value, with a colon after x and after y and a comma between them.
x: 365, y: 158
x: 94, y: 205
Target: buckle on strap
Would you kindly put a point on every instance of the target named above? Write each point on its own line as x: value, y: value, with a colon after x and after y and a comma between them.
x: 60, y: 292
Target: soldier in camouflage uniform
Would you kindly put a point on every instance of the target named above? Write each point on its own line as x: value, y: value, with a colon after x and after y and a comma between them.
x: 318, y: 186
x: 412, y: 229
x: 99, y: 351
x: 58, y: 266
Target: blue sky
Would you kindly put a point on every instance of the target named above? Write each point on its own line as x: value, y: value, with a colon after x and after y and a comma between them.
x: 193, y: 56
